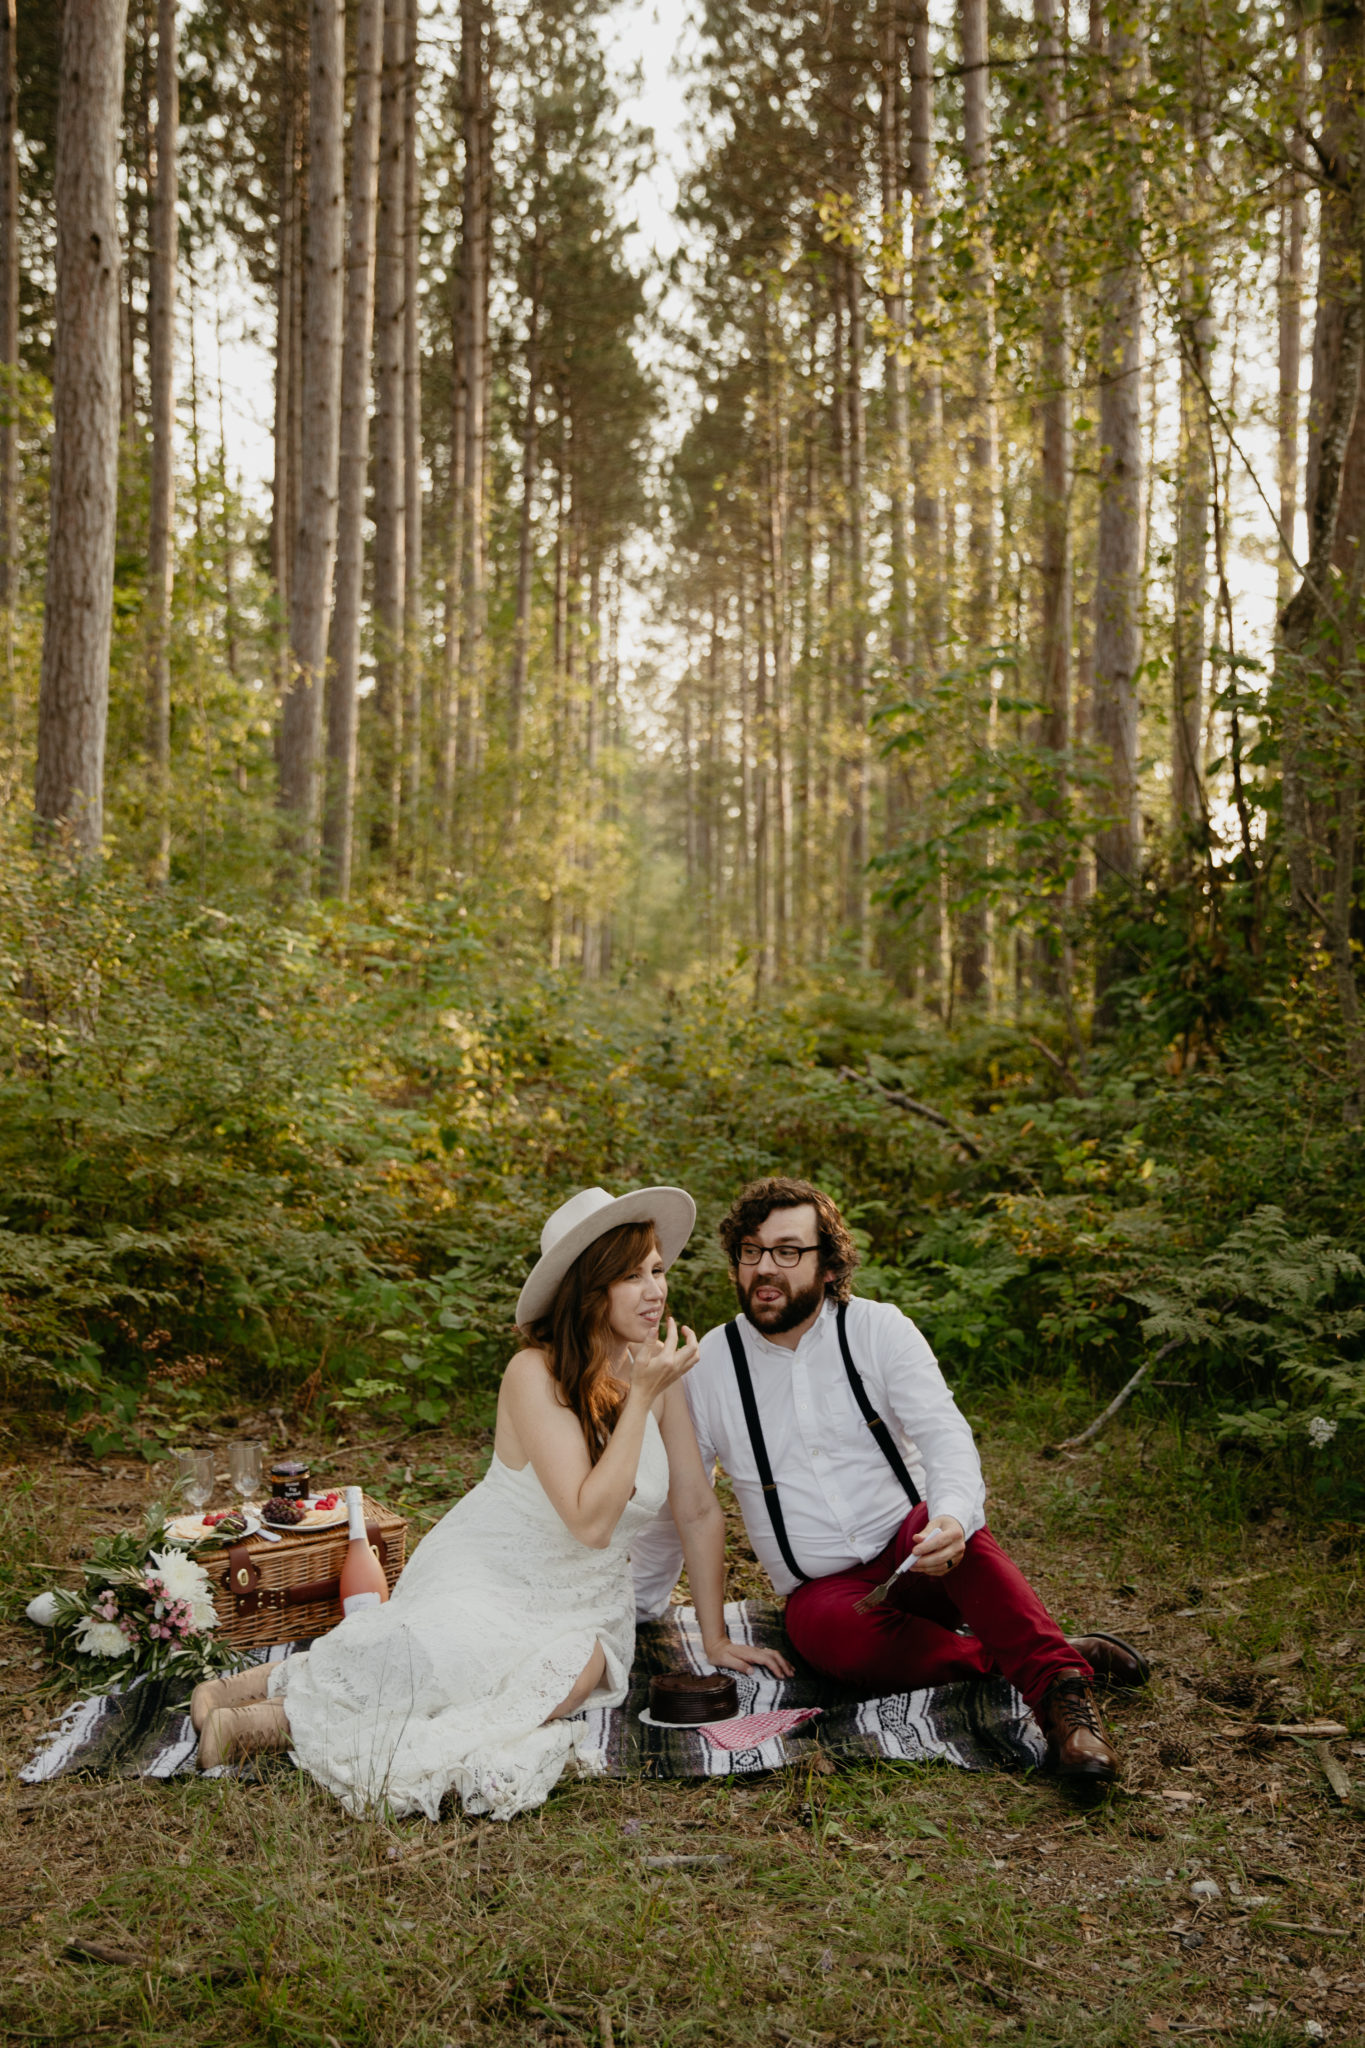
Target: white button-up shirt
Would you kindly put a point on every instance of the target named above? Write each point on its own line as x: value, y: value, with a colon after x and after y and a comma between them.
x: 841, y: 1502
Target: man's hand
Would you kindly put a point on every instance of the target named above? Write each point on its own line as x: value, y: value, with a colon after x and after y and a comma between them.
x: 938, y: 1547
x: 728, y: 1656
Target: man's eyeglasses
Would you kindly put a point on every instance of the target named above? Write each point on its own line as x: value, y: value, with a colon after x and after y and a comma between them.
x: 780, y: 1254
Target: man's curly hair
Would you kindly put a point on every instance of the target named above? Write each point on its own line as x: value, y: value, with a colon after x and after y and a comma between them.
x: 755, y: 1204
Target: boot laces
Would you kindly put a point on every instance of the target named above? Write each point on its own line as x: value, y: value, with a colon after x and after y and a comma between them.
x: 1073, y: 1709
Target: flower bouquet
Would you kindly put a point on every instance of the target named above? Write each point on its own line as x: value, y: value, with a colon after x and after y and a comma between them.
x: 146, y: 1611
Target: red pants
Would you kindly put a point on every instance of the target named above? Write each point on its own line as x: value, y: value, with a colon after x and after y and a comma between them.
x: 911, y: 1639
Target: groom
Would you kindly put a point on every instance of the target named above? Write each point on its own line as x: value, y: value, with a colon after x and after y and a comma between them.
x: 851, y: 1464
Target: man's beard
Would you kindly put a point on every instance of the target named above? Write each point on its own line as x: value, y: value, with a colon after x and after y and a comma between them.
x: 774, y: 1319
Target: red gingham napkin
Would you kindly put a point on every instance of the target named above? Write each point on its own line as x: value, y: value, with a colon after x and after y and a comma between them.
x: 747, y: 1731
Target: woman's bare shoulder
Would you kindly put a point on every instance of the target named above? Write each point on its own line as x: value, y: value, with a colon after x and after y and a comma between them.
x: 528, y: 1373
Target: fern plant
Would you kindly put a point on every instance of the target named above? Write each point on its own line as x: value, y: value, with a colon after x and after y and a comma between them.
x: 1282, y: 1313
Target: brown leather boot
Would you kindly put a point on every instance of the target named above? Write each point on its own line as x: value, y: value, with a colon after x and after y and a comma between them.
x: 1076, y: 1743
x: 1114, y: 1662
x: 237, y: 1691
x: 232, y: 1733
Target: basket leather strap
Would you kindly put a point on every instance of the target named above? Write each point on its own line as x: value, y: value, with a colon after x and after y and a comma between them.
x: 249, y: 1595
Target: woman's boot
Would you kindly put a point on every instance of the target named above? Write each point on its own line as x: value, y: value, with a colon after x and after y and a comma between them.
x: 233, y: 1733
x: 236, y: 1691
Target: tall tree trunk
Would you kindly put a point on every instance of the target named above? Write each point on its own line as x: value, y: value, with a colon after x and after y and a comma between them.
x: 930, y: 587
x: 781, y: 671
x: 338, y: 822
x: 530, y: 443
x: 452, y: 596
x: 858, y: 909
x: 983, y: 455
x: 320, y: 407
x: 9, y: 330
x: 73, y: 699
x: 414, y: 637
x: 1118, y: 563
x: 1292, y: 221
x: 1055, y: 474
x: 390, y: 502
x: 983, y: 444
x: 475, y: 121
x: 892, y: 143
x: 161, y: 325
x: 1189, y: 649
x: 287, y: 286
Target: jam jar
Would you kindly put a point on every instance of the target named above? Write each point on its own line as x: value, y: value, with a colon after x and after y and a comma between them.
x: 289, y: 1479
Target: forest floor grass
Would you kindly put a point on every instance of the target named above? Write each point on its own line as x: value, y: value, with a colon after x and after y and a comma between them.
x: 845, y: 1907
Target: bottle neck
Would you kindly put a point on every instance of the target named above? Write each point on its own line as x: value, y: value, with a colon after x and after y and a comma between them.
x: 355, y: 1513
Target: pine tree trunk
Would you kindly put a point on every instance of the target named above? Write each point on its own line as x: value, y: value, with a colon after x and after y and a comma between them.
x: 73, y: 700
x: 390, y: 501
x: 448, y: 757
x: 414, y: 636
x: 530, y: 442
x: 1189, y: 649
x: 781, y: 676
x: 475, y: 122
x: 161, y: 336
x: 892, y: 143
x: 983, y: 454
x: 1292, y: 222
x: 1054, y: 568
x: 1118, y: 557
x: 338, y: 823
x: 9, y: 331
x: 858, y: 905
x: 320, y: 409
x: 927, y: 444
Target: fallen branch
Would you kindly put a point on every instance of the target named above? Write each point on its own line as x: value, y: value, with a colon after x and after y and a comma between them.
x: 1068, y: 1079
x: 1289, y: 1731
x: 1302, y: 1927
x: 112, y: 1953
x: 1334, y: 1774
x: 900, y: 1100
x: 1120, y: 1400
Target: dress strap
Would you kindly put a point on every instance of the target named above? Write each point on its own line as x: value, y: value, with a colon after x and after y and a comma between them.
x: 760, y: 1450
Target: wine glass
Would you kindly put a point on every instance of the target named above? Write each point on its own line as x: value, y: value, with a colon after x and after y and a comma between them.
x: 194, y: 1478
x: 244, y: 1468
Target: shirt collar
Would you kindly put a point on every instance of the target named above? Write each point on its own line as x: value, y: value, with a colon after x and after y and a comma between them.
x: 810, y: 1341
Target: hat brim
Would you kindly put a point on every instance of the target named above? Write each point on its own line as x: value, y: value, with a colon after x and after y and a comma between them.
x: 672, y: 1211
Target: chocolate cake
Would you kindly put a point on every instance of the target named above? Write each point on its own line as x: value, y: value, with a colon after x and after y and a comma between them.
x: 686, y: 1698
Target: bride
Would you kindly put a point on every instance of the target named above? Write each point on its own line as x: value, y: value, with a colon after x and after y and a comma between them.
x: 518, y: 1608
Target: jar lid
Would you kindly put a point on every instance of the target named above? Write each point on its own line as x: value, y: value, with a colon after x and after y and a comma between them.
x: 288, y: 1468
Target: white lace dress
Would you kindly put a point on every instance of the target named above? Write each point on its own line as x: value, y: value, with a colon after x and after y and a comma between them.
x: 447, y: 1685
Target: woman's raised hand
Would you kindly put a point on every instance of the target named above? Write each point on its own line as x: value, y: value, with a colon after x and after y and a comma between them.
x: 661, y: 1362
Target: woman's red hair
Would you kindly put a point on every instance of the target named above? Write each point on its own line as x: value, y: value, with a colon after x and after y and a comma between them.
x: 573, y: 1332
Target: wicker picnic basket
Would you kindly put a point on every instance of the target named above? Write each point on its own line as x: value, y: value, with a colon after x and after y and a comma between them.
x: 288, y: 1591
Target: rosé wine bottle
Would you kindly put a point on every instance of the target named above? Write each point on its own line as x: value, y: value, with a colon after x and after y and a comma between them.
x: 363, y: 1583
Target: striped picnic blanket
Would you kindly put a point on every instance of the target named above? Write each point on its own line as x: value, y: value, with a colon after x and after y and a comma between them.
x: 145, y: 1730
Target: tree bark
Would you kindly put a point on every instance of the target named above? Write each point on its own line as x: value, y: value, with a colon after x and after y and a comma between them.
x: 930, y: 584
x: 414, y: 652
x: 530, y: 445
x: 9, y: 327
x: 1293, y: 214
x: 338, y: 825
x: 390, y: 502
x: 315, y: 549
x: 1193, y: 512
x: 161, y: 335
x: 474, y: 118
x: 1054, y: 564
x: 73, y: 700
x: 858, y: 908
x: 892, y: 141
x: 283, y: 494
x: 1118, y: 566
x: 983, y: 442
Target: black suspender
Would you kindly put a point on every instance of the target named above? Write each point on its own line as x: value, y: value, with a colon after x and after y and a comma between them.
x: 760, y: 1449
x: 881, y: 1435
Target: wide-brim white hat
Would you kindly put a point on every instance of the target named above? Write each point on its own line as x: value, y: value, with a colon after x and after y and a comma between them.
x: 590, y: 1214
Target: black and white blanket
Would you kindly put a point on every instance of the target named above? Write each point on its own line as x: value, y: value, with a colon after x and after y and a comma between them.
x: 145, y: 1731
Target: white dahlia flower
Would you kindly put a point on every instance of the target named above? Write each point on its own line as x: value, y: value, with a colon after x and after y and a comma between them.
x: 96, y: 1638
x: 184, y: 1578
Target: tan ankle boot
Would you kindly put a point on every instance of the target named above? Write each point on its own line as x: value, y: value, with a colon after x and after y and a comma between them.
x: 237, y: 1691
x: 232, y: 1733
